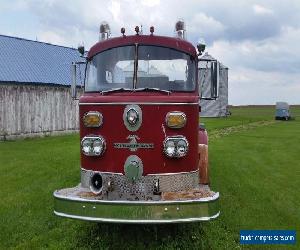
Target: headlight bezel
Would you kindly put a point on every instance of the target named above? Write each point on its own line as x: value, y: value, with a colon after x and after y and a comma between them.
x: 92, y: 139
x: 176, y: 139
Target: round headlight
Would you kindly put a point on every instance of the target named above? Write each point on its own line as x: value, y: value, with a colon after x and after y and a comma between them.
x: 98, y: 146
x: 86, y: 146
x: 132, y: 117
x: 181, y: 148
x: 170, y: 148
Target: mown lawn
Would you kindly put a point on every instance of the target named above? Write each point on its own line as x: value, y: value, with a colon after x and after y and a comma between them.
x: 256, y: 169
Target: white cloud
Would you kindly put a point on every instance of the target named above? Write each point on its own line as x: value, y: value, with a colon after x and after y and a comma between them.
x: 14, y: 5
x: 261, y: 10
x: 150, y: 3
x: 280, y: 53
x: 115, y: 8
x: 262, y: 72
x: 248, y: 86
x: 205, y: 25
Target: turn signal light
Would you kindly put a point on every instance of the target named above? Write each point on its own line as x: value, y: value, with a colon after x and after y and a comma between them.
x: 176, y: 119
x: 92, y: 119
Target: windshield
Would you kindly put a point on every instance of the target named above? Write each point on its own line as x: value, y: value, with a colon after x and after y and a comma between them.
x: 156, y: 67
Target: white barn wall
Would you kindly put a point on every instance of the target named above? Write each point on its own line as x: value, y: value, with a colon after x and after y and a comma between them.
x: 36, y: 110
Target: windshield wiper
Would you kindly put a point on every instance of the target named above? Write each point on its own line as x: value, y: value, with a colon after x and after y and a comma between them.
x: 134, y: 90
x: 115, y: 90
x: 153, y: 89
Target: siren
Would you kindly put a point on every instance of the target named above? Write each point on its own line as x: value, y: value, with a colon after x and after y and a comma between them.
x: 104, y: 31
x: 180, y: 29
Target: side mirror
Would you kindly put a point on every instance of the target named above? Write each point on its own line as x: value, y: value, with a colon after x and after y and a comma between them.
x: 73, y: 84
x: 215, y: 69
x: 208, y: 79
x: 74, y: 77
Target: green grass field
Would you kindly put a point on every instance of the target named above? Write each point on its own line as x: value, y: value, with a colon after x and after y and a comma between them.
x: 255, y: 165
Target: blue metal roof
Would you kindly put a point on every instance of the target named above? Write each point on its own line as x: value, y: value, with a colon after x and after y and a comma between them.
x: 27, y: 61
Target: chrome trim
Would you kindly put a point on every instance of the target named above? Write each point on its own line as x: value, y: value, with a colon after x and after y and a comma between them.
x: 77, y: 203
x: 133, y: 145
x: 93, y: 113
x: 205, y: 218
x: 176, y: 113
x: 139, y: 103
x: 94, y: 137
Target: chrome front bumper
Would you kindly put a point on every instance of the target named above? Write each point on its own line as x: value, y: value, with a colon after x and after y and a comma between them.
x: 80, y: 203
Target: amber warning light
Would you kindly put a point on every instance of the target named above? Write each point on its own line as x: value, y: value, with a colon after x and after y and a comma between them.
x: 92, y: 119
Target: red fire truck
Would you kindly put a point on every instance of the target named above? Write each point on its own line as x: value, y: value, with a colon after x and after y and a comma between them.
x: 143, y: 154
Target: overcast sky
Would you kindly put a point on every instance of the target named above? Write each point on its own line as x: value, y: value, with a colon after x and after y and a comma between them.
x: 258, y: 40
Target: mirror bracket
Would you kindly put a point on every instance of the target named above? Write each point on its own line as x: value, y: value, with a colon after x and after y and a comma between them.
x: 74, y: 78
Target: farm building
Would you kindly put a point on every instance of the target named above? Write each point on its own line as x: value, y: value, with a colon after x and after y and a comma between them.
x: 34, y: 88
x: 218, y: 107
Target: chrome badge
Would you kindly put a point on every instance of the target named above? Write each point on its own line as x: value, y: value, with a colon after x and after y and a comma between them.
x: 133, y: 144
x: 132, y: 117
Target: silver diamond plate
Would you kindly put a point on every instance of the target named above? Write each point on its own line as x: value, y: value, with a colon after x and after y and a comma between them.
x: 142, y: 189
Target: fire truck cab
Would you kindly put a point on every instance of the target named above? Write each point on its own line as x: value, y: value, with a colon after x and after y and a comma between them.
x: 143, y: 154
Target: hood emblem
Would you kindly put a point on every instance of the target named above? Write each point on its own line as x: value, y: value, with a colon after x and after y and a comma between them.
x: 133, y: 168
x: 133, y: 144
x: 132, y: 117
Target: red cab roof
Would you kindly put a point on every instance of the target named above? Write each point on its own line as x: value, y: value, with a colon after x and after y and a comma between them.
x: 170, y: 42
